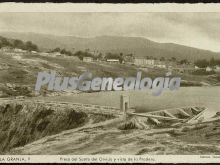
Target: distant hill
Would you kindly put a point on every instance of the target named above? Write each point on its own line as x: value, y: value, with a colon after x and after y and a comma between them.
x: 136, y: 45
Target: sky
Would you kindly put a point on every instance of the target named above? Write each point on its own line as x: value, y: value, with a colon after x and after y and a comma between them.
x: 200, y: 30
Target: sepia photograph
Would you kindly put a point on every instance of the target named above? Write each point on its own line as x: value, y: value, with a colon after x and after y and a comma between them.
x: 110, y: 83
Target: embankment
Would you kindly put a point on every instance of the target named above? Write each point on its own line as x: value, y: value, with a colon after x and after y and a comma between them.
x: 24, y: 122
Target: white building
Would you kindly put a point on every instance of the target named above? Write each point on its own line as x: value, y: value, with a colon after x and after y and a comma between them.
x: 87, y: 59
x: 113, y: 60
x: 196, y: 67
x: 143, y: 61
x: 159, y: 64
x: 33, y: 51
x: 208, y: 69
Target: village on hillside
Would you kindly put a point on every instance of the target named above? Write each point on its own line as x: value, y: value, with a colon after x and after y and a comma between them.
x: 194, y: 73
x: 181, y: 66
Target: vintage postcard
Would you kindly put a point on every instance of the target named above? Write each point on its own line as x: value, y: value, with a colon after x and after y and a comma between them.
x: 109, y: 83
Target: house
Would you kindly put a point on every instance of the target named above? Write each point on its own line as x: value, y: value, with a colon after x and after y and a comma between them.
x: 33, y: 51
x: 159, y: 64
x: 87, y: 59
x: 208, y: 69
x: 143, y: 61
x: 150, y: 61
x: 113, y: 60
x: 139, y: 61
x: 196, y: 67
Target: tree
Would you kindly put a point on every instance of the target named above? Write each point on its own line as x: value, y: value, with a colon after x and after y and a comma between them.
x: 100, y: 56
x: 30, y: 46
x: 64, y: 51
x: 184, y: 61
x: 212, y: 62
x: 57, y: 49
x: 201, y: 63
x: 4, y: 42
x: 18, y: 44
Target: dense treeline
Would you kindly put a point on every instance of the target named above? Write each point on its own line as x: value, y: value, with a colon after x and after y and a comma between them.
x: 98, y: 55
x: 204, y: 63
x: 4, y: 42
x: 80, y: 54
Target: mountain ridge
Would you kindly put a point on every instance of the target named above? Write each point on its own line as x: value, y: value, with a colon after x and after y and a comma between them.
x: 139, y: 46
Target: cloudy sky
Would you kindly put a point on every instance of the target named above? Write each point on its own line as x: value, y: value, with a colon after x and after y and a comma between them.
x: 201, y: 30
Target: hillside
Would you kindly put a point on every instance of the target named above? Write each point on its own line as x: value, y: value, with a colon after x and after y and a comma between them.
x: 136, y: 45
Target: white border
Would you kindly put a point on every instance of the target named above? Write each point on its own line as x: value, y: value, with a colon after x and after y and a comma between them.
x: 89, y: 7
x: 68, y: 7
x: 109, y: 159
